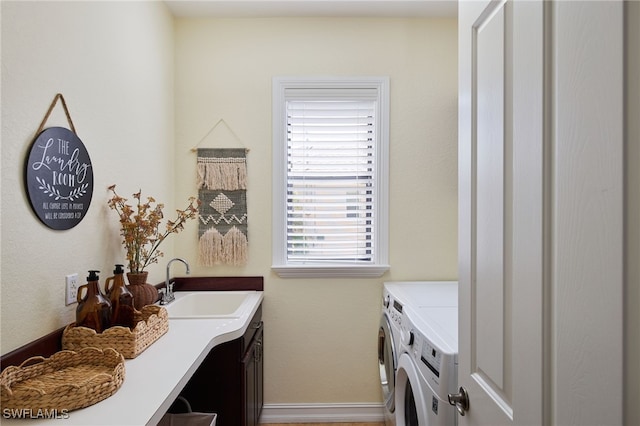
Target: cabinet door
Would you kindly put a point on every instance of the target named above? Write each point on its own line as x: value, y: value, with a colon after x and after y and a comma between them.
x: 250, y: 386
x: 259, y: 371
x: 253, y: 373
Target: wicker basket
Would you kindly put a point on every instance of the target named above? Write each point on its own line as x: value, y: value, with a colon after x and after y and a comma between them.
x: 66, y: 381
x: 151, y: 323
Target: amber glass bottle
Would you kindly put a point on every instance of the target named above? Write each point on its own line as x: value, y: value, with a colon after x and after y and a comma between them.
x: 94, y: 309
x: 120, y: 298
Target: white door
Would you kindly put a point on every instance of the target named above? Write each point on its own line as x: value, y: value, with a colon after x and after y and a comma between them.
x: 501, y: 217
x: 529, y: 278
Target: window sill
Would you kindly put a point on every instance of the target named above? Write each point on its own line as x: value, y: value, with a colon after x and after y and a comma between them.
x: 314, y: 271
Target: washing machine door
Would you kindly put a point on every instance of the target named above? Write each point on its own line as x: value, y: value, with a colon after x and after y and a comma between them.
x: 412, y: 396
x: 387, y: 363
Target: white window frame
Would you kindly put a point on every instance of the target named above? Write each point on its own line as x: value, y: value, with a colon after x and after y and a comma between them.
x: 380, y: 262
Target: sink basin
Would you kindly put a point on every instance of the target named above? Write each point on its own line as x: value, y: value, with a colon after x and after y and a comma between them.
x: 209, y: 304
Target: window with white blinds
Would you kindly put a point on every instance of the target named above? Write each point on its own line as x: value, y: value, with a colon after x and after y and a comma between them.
x: 332, y: 180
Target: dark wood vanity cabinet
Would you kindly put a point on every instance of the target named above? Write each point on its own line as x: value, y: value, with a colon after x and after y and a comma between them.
x: 229, y: 382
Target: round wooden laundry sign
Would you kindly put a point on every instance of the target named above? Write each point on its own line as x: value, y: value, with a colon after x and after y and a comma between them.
x: 59, y: 178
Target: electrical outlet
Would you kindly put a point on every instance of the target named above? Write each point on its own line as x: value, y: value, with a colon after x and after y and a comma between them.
x: 72, y: 289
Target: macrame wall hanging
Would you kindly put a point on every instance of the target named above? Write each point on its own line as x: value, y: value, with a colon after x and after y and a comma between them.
x: 222, y: 188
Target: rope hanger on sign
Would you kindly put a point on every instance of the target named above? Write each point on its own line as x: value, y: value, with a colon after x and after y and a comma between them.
x: 66, y: 112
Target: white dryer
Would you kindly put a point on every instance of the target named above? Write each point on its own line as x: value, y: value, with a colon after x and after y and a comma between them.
x: 427, y: 363
x: 388, y: 346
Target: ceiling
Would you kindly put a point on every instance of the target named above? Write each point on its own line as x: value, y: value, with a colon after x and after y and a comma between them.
x: 316, y: 8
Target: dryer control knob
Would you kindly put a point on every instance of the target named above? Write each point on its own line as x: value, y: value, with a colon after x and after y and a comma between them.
x: 408, y: 338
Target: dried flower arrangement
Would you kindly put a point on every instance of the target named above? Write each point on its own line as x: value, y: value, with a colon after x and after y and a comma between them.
x: 140, y: 227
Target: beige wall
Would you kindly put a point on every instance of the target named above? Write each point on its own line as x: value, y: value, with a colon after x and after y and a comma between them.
x: 321, y: 333
x: 113, y: 62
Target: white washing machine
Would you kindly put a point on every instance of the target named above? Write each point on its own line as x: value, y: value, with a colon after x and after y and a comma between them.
x: 388, y: 346
x: 428, y: 353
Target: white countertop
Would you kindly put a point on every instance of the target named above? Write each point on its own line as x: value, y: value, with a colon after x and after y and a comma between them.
x: 155, y: 378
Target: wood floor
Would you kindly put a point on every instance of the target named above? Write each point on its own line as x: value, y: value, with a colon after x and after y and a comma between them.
x: 324, y: 424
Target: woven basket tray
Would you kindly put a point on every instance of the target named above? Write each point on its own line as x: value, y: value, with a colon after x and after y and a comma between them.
x: 66, y: 381
x: 151, y: 323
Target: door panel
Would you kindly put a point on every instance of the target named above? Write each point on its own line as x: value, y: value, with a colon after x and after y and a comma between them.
x: 488, y: 275
x: 501, y: 211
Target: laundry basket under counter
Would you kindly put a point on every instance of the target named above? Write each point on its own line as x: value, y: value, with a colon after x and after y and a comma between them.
x: 186, y: 416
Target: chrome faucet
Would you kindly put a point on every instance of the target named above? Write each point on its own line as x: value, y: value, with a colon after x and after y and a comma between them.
x: 167, y: 292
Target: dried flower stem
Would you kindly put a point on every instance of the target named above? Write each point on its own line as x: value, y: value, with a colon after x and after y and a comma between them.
x: 140, y: 227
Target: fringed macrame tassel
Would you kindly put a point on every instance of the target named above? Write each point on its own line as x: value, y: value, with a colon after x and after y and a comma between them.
x: 222, y: 173
x: 210, y: 248
x: 215, y: 249
x: 234, y: 247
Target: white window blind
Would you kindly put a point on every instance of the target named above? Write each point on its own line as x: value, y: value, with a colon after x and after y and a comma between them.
x: 330, y: 180
x: 330, y: 176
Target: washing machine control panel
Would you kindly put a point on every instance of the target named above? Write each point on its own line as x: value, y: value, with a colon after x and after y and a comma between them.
x: 431, y: 357
x: 435, y: 366
x: 393, y: 308
x: 427, y: 356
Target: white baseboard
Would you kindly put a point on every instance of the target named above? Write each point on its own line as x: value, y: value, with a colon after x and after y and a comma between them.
x: 327, y: 413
